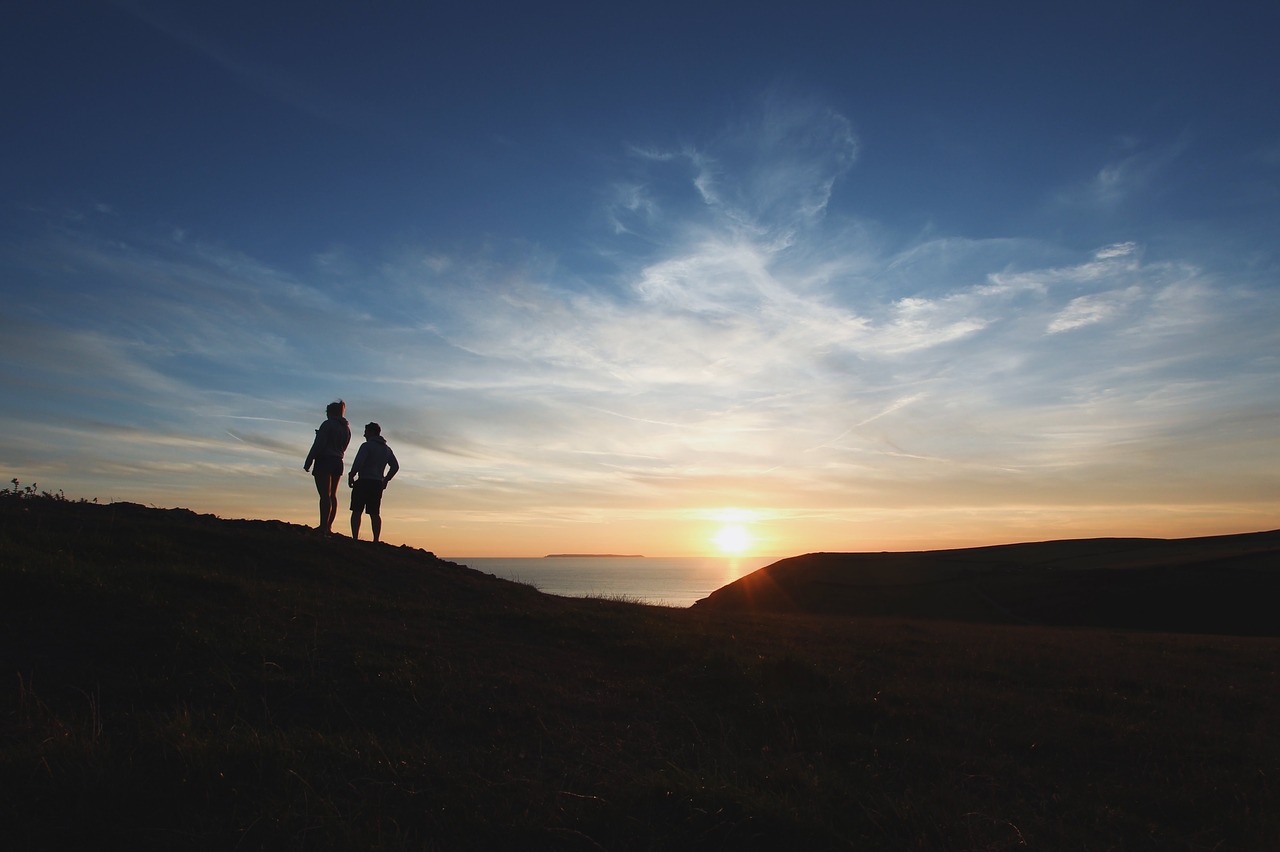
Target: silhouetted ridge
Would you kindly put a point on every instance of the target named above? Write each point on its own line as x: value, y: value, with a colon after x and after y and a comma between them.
x: 1218, y: 584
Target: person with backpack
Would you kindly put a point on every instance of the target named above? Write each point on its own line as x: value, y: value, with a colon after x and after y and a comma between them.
x: 367, y: 480
x: 327, y: 450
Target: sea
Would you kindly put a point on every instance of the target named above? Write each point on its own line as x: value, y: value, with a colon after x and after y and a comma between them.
x: 658, y: 580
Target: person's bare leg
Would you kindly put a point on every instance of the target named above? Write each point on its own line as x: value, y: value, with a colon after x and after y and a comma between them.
x: 375, y: 522
x: 322, y: 489
x: 355, y: 524
x: 333, y: 502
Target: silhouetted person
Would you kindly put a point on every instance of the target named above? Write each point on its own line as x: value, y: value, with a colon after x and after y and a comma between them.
x: 373, y: 458
x: 331, y: 442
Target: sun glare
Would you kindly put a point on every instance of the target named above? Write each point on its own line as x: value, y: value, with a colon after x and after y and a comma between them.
x: 733, y: 539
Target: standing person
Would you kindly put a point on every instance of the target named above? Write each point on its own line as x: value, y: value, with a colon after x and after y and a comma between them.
x: 331, y: 442
x: 372, y: 459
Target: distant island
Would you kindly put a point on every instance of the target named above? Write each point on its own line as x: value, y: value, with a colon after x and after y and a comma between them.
x: 594, y: 556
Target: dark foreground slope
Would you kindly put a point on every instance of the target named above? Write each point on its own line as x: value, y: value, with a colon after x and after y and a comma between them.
x: 173, y: 681
x: 1220, y: 584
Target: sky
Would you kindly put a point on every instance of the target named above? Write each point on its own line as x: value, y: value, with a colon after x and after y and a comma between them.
x: 664, y: 278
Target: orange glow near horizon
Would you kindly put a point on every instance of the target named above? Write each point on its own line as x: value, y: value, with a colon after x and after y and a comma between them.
x: 759, y: 532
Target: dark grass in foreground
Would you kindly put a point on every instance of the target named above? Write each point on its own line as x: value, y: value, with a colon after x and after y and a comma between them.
x: 179, y: 681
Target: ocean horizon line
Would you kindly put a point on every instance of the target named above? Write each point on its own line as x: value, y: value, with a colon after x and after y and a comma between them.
x: 670, y: 580
x: 622, y: 556
x: 595, y: 556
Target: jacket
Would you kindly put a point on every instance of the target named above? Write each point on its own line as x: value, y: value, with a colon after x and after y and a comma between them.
x: 331, y: 441
x: 373, y: 456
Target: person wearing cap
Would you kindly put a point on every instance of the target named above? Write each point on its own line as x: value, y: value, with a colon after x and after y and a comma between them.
x: 373, y: 468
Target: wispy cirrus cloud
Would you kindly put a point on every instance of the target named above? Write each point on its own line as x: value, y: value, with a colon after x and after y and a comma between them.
x: 1087, y: 310
x: 754, y: 350
x: 1135, y: 172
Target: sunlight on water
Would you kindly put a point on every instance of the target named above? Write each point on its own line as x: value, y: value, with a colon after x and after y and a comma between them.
x: 670, y: 581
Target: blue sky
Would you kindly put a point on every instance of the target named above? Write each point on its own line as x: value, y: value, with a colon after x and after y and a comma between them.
x: 849, y: 276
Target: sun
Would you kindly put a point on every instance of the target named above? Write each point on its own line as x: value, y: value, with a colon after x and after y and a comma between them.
x: 732, y: 539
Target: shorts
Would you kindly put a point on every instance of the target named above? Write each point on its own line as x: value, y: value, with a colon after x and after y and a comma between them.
x: 327, y: 466
x: 366, y: 496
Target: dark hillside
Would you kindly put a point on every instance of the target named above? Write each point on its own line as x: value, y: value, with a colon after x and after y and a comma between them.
x: 1219, y: 584
x: 175, y: 681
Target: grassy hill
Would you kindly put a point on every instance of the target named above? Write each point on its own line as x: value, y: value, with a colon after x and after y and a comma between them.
x: 172, y: 680
x: 1219, y: 584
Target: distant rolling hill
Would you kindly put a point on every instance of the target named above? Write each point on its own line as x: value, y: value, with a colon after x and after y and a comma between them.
x: 1220, y: 584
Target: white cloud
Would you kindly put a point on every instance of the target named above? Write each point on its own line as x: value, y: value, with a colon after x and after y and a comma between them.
x: 1116, y: 250
x: 774, y: 173
x: 755, y: 351
x: 921, y: 323
x: 1088, y: 310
